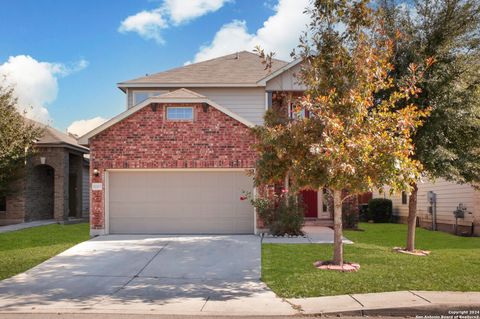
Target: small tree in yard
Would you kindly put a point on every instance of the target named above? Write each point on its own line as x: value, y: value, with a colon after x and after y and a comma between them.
x: 352, y: 139
x: 16, y: 140
x: 448, y: 144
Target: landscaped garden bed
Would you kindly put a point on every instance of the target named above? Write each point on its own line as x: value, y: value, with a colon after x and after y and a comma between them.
x: 452, y: 265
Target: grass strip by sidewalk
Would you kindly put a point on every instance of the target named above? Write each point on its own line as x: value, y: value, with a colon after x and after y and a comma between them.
x: 453, y: 265
x: 23, y: 249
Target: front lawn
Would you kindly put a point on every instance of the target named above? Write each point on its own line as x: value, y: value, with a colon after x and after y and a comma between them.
x: 21, y: 250
x: 453, y: 265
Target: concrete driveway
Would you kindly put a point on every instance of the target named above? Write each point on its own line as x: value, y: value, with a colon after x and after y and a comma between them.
x: 155, y: 274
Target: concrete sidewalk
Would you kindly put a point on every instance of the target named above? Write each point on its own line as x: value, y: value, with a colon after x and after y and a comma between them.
x: 398, y: 303
x: 405, y: 303
x: 14, y: 227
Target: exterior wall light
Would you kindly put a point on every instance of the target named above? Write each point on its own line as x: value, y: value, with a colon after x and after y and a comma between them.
x: 96, y: 172
x: 205, y: 107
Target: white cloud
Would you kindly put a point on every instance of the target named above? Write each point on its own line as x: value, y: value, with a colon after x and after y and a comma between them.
x: 36, y: 83
x: 230, y: 38
x: 81, y: 127
x: 181, y: 11
x: 279, y: 33
x: 150, y: 23
x: 64, y: 70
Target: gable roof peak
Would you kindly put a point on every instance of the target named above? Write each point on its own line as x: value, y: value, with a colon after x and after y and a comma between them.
x: 181, y: 93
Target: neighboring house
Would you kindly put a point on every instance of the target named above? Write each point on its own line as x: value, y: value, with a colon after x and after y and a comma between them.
x: 50, y: 186
x: 175, y: 160
x: 448, y: 196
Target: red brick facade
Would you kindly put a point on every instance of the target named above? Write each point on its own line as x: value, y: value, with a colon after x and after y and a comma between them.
x: 146, y: 139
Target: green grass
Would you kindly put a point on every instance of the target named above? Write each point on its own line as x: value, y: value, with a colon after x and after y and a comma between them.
x: 21, y: 250
x: 454, y: 264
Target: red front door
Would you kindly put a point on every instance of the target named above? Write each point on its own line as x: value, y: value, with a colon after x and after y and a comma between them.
x: 310, y: 199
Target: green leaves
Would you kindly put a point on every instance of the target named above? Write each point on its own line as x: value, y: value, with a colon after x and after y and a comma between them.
x: 17, y: 138
x: 356, y: 136
x: 444, y: 34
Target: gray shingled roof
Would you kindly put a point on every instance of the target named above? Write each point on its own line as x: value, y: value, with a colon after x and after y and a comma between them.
x: 242, y: 69
x: 53, y: 136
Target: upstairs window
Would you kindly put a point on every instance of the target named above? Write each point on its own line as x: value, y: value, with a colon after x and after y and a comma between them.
x: 175, y: 113
x: 140, y: 96
x: 293, y: 114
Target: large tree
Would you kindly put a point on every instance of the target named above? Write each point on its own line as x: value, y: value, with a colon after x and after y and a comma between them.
x: 17, y: 138
x: 448, y: 144
x: 352, y: 139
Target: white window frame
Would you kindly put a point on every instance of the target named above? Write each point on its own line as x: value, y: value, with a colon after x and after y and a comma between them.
x: 295, y: 115
x: 149, y: 94
x: 178, y: 119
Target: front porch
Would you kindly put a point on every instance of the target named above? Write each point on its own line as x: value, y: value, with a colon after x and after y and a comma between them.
x: 317, y: 208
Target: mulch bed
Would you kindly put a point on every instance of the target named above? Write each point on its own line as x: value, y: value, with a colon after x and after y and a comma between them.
x: 328, y: 265
x: 416, y: 252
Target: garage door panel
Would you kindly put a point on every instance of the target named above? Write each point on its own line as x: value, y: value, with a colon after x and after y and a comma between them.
x: 179, y: 202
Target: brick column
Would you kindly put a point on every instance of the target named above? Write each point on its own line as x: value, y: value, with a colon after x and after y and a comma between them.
x: 61, y: 187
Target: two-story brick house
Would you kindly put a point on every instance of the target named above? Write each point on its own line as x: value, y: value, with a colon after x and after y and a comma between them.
x: 176, y: 160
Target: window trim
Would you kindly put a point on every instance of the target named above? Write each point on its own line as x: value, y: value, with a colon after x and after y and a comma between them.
x: 150, y: 93
x: 296, y: 115
x: 179, y: 107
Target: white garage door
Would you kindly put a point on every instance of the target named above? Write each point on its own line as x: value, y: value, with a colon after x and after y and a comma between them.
x: 179, y: 202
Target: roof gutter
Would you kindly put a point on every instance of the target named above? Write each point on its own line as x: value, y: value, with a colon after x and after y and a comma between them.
x: 263, y: 82
x: 122, y: 86
x: 79, y: 148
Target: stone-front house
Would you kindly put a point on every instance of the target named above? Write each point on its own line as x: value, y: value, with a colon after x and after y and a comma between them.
x: 176, y: 160
x: 52, y: 184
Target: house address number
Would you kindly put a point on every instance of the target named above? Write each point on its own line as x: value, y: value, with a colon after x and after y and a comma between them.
x: 97, y: 186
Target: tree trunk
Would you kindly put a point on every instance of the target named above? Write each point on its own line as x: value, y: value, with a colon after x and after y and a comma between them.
x: 412, y: 218
x: 337, y: 228
x: 286, y: 182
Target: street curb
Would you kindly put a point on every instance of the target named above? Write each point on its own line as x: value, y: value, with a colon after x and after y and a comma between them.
x: 426, y: 310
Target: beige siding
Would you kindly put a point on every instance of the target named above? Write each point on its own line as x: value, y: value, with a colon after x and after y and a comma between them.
x: 399, y: 209
x: 286, y: 81
x: 249, y: 103
x: 449, y: 195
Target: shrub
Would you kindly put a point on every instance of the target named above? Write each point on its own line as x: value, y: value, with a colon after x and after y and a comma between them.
x: 363, y: 210
x: 283, y: 215
x: 380, y: 210
x: 350, y: 213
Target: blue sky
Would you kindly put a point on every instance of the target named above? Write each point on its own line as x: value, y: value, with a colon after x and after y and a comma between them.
x: 67, y: 56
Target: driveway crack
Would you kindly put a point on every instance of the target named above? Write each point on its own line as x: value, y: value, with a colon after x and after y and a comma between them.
x: 415, y: 294
x: 150, y: 261
x: 206, y: 300
x: 351, y: 296
x: 134, y: 276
